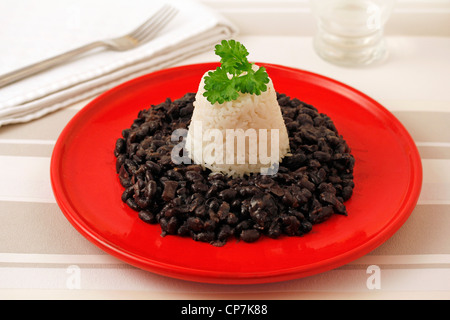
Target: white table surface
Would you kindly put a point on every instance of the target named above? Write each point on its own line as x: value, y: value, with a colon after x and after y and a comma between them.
x: 41, y: 253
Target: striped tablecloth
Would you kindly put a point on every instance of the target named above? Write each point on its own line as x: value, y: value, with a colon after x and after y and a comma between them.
x: 42, y: 256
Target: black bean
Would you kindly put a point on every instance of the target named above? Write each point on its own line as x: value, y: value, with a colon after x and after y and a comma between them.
x: 243, y: 225
x: 194, y: 167
x: 340, y: 208
x: 187, y: 110
x: 195, y: 224
x: 213, y: 204
x: 249, y: 191
x: 292, y: 126
x: 264, y: 182
x: 291, y: 226
x: 225, y: 232
x: 219, y: 184
x: 120, y: 161
x: 150, y: 189
x: 261, y: 217
x: 213, y: 216
x: 163, y: 222
x: 154, y: 167
x: 307, y: 134
x: 124, y: 177
x: 306, y: 226
x: 170, y: 188
x: 201, y: 211
x: 193, y: 176
x: 283, y: 100
x: 125, y: 133
x: 198, y: 186
x: 236, y: 204
x: 250, y: 235
x: 196, y: 201
x: 127, y: 193
x: 322, y: 156
x: 142, y: 202
x: 174, y: 175
x: 132, y: 204
x: 305, y: 119
x: 274, y: 229
x: 295, y: 161
x: 216, y: 176
x: 347, y: 192
x: 223, y: 211
x: 165, y: 161
x: 305, y: 183
x: 147, y: 216
x: 210, y: 225
x: 328, y: 197
x: 207, y: 236
x: 309, y: 110
x: 232, y: 219
x: 169, y: 212
x: 228, y: 195
x: 121, y: 147
x: 212, y: 192
x: 183, y: 230
x: 321, y: 214
x: 277, y: 190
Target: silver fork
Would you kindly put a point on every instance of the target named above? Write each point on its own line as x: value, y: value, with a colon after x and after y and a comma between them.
x: 140, y: 35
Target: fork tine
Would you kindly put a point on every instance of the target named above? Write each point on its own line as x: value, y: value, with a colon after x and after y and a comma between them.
x: 148, y: 30
x: 153, y: 31
x: 151, y: 20
x: 154, y: 23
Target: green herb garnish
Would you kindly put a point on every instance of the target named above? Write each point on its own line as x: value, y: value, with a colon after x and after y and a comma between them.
x: 234, y: 75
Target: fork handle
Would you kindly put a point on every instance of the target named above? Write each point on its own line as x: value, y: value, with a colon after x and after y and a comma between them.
x: 46, y: 64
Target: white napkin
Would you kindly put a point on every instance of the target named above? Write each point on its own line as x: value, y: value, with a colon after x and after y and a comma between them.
x: 45, y: 28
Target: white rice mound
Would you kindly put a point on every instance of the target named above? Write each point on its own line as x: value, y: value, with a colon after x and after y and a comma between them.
x: 249, y: 111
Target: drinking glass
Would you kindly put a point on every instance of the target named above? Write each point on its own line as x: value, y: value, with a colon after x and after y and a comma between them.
x: 350, y: 32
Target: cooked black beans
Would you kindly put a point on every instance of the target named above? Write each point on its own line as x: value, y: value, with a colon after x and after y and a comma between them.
x: 310, y: 186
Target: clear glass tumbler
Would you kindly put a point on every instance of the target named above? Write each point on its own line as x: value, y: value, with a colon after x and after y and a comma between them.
x: 350, y: 32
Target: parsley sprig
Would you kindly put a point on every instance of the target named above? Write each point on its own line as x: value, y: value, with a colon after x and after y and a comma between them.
x: 234, y: 75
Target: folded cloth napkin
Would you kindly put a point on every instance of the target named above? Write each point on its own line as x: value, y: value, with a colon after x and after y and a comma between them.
x: 46, y: 28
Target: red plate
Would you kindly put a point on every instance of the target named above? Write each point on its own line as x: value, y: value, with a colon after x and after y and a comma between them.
x: 388, y: 178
